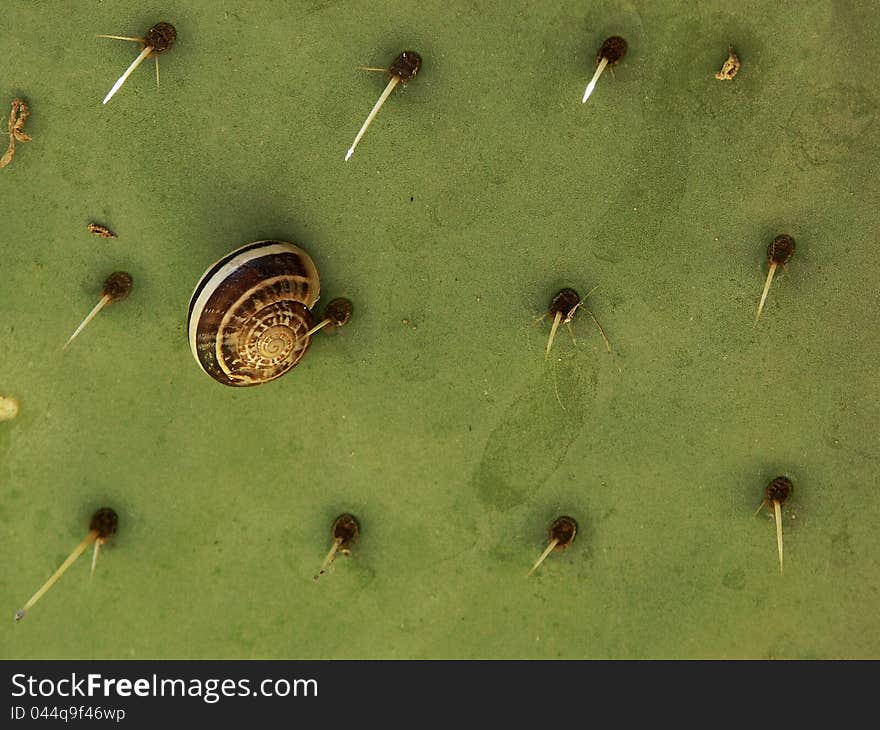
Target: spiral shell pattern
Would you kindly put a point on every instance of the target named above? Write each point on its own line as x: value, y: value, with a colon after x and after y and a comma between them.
x: 250, y: 311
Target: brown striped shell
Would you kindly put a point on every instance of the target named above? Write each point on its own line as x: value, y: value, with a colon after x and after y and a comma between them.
x: 250, y: 312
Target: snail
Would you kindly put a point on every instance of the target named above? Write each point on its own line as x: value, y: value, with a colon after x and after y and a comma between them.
x: 250, y: 314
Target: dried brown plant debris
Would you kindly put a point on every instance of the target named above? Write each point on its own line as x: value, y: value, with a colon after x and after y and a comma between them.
x: 730, y: 67
x: 17, y: 117
x: 101, y: 231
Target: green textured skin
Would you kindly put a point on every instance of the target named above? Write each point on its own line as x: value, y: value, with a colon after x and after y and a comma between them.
x: 480, y: 190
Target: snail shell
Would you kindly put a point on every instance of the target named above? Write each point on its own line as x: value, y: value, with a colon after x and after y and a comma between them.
x: 249, y: 313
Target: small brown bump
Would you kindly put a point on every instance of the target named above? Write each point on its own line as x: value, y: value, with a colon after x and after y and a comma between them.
x: 776, y: 494
x: 564, y: 303
x: 156, y: 40
x: 345, y: 531
x: 563, y: 530
x: 780, y: 250
x: 102, y: 526
x: 339, y: 312
x: 779, y: 490
x: 562, y: 534
x: 105, y: 522
x: 117, y: 286
x: 402, y: 69
x: 562, y: 309
x: 779, y: 253
x: 613, y: 49
x: 161, y: 37
x: 405, y: 66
